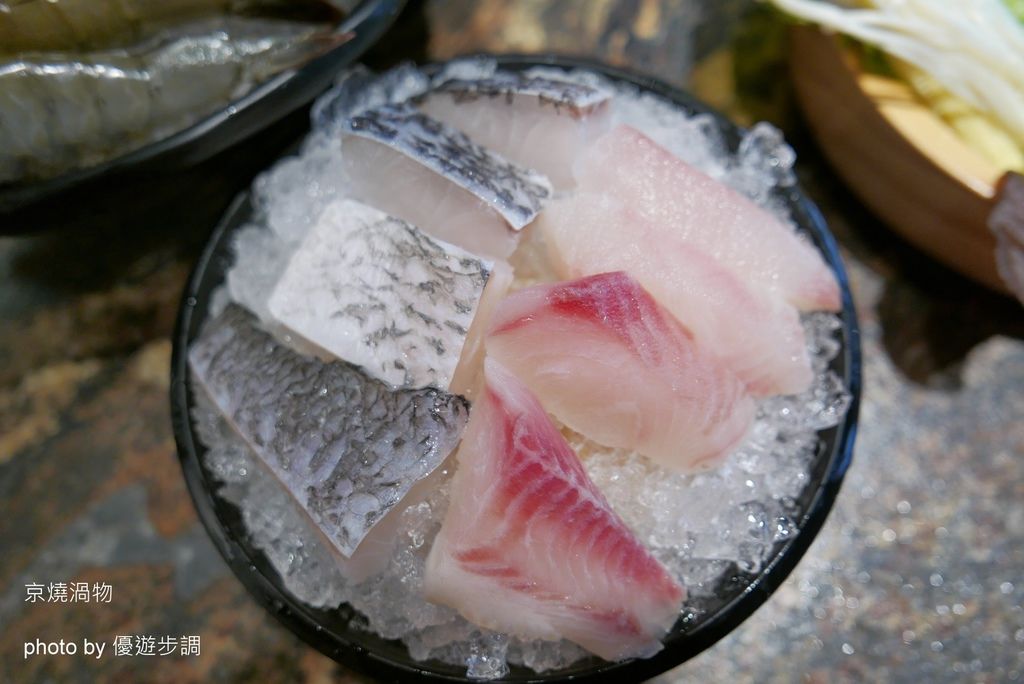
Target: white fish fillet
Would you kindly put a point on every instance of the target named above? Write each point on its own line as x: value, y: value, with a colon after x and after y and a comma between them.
x: 757, y: 335
x: 376, y: 291
x: 346, y: 447
x: 422, y: 171
x: 612, y: 364
x: 529, y: 545
x: 682, y: 202
x: 537, y: 122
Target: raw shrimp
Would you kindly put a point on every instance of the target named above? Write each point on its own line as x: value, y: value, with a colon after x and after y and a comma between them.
x: 66, y: 25
x: 57, y: 114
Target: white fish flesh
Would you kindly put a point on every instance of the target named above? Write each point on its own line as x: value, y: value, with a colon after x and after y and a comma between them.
x: 529, y: 546
x: 378, y: 292
x: 424, y: 172
x: 536, y: 121
x: 612, y: 364
x: 757, y: 335
x: 348, y: 448
x: 682, y: 202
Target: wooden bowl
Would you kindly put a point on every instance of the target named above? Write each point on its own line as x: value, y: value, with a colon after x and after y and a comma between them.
x: 898, y: 156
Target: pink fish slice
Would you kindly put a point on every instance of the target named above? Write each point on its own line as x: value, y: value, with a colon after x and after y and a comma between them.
x: 530, y: 546
x: 611, y: 363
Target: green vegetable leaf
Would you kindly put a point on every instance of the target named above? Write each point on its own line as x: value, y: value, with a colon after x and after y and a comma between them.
x: 1017, y: 7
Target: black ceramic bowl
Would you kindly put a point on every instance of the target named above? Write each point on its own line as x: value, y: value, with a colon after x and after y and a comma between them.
x: 330, y: 631
x: 256, y: 110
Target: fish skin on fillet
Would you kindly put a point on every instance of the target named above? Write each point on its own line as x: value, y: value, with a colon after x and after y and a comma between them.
x: 431, y: 175
x: 378, y: 292
x: 347, y: 447
x: 538, y: 122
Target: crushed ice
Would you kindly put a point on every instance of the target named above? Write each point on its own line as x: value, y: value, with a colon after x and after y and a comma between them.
x: 702, y: 527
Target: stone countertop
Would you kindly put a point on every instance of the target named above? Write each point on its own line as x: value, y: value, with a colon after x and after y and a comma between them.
x: 917, y: 575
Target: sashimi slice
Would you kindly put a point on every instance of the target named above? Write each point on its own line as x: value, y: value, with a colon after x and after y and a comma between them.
x: 612, y: 364
x: 431, y: 175
x: 529, y: 545
x: 346, y: 447
x: 538, y: 122
x: 378, y: 292
x: 682, y: 201
x: 469, y: 373
x: 757, y: 335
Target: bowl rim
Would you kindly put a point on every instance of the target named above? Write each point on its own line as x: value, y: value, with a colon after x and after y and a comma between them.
x: 891, y: 97
x: 678, y: 646
x: 231, y: 124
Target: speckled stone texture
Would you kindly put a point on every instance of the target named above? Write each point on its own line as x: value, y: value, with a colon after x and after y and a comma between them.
x: 918, y: 575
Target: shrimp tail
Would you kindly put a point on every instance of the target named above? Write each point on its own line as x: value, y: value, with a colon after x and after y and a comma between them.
x: 299, y: 53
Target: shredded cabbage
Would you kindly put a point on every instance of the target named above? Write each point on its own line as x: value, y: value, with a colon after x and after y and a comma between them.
x: 974, y: 48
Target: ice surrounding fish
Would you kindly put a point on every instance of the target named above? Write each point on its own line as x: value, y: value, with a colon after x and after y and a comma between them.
x: 611, y: 363
x: 378, y: 292
x: 757, y: 335
x: 348, y: 448
x: 431, y: 175
x: 358, y: 89
x: 538, y: 122
x: 682, y: 201
x: 530, y: 546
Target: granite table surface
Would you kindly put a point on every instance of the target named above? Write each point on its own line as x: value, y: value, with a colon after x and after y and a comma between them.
x: 918, y: 574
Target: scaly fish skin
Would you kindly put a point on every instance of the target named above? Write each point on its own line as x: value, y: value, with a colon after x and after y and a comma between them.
x: 575, y: 99
x: 537, y: 122
x: 514, y: 192
x: 378, y: 292
x: 347, y: 447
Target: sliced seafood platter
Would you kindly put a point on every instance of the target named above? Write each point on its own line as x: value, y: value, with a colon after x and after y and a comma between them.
x: 518, y: 370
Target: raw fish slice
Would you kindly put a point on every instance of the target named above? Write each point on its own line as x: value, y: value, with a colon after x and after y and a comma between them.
x: 530, y: 546
x: 755, y: 334
x: 539, y: 122
x: 469, y: 373
x: 378, y: 292
x: 682, y: 201
x: 345, y: 446
x: 420, y: 170
x: 612, y: 364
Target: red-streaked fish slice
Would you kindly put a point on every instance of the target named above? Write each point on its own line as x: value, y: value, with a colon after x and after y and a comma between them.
x: 530, y: 546
x: 757, y: 335
x: 684, y: 202
x: 612, y: 364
